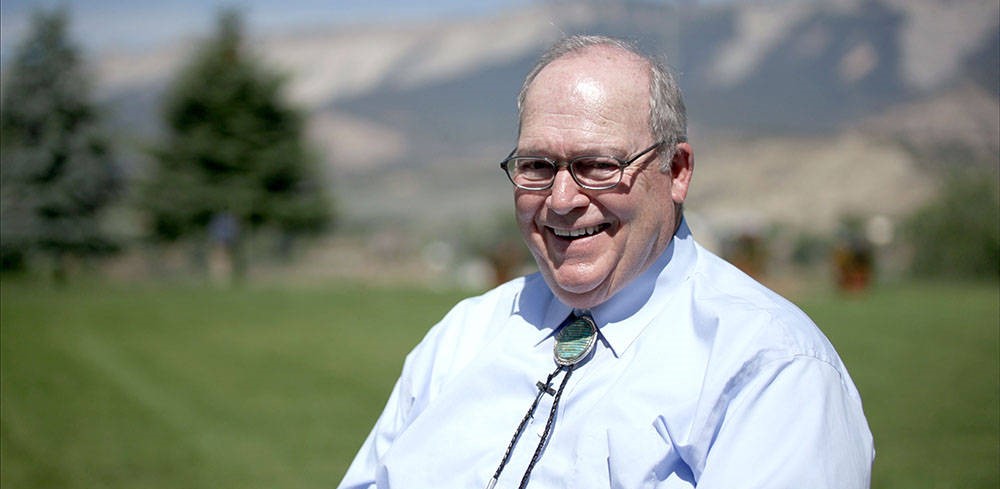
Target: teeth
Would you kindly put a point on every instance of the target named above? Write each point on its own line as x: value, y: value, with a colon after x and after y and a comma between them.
x: 574, y: 233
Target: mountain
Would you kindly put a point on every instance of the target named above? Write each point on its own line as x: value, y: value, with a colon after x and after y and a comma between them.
x: 785, y: 99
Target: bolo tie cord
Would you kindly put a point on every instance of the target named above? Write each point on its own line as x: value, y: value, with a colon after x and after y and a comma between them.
x: 524, y: 423
x: 548, y: 428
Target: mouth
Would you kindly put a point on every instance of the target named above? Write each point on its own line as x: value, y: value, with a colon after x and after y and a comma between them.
x: 578, y: 233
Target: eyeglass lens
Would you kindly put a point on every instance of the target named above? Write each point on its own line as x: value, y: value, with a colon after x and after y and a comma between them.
x: 591, y: 171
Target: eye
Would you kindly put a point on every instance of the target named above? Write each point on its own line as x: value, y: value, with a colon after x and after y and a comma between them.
x: 595, y: 165
x: 533, y: 165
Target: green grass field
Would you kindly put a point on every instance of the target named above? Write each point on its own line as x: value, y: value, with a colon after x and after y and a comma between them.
x: 116, y: 386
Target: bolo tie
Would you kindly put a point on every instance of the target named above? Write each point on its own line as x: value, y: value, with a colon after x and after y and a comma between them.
x: 574, y: 342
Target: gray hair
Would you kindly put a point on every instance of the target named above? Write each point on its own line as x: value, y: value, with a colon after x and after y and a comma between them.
x: 667, y: 115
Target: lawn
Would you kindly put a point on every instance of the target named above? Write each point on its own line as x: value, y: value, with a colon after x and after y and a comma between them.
x: 154, y: 386
x: 926, y: 360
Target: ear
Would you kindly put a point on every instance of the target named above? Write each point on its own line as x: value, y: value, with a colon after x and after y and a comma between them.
x: 681, y: 170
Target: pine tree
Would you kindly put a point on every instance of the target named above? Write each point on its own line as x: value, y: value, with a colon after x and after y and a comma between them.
x: 58, y: 173
x: 234, y: 155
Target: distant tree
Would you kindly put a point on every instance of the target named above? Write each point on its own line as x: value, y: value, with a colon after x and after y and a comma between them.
x: 957, y: 235
x: 234, y: 157
x: 58, y: 174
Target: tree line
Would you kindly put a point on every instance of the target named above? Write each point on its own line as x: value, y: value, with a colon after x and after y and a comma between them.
x: 232, y: 159
x: 232, y: 162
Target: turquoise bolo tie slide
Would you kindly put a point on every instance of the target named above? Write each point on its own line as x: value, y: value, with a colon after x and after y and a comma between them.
x: 575, y: 341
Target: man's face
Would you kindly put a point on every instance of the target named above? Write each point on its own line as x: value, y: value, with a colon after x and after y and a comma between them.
x: 590, y: 243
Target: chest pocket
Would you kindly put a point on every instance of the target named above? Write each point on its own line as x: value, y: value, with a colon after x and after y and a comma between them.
x: 646, y: 458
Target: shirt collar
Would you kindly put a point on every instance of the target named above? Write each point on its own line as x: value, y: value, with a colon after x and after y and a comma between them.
x: 621, y: 318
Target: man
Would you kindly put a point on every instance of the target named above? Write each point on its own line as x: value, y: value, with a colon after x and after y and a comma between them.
x: 696, y: 376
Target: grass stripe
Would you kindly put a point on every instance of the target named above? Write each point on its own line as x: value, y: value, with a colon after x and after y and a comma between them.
x: 152, y: 386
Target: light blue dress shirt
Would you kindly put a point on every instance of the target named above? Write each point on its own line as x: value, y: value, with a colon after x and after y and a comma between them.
x: 701, y: 378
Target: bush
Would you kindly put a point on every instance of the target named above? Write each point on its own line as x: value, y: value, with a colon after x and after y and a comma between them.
x: 958, y: 234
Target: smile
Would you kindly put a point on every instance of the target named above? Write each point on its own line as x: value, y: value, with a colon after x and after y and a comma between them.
x: 579, y: 232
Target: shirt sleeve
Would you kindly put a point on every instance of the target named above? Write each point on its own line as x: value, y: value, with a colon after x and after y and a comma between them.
x: 797, y: 424
x: 363, y: 472
x: 422, y: 371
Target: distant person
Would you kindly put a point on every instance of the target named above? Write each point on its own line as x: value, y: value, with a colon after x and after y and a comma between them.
x: 224, y: 234
x: 635, y: 358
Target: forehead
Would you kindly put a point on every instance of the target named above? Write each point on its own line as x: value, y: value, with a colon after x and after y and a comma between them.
x: 601, y: 90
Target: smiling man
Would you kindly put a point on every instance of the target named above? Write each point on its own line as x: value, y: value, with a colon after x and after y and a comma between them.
x: 590, y: 242
x: 634, y: 358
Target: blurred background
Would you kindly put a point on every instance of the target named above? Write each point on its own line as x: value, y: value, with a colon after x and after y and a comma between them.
x: 224, y: 224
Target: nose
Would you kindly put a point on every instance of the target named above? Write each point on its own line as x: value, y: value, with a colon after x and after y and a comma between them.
x: 565, y: 195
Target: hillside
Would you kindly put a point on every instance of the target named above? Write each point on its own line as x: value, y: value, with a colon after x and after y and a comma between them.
x: 800, y: 111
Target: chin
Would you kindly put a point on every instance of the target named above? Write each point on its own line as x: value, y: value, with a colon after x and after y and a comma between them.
x: 578, y: 287
x: 580, y: 301
x: 578, y: 293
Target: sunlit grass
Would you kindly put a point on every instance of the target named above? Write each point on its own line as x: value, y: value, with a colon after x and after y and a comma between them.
x: 926, y: 360
x: 197, y: 387
x: 155, y: 386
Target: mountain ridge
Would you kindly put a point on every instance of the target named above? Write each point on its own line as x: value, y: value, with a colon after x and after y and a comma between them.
x: 402, y: 104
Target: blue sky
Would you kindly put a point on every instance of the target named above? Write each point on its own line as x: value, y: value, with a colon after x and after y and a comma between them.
x: 138, y: 25
x: 135, y: 25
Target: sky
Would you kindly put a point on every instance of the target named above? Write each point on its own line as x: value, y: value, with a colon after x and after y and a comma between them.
x: 136, y: 25
x: 101, y: 25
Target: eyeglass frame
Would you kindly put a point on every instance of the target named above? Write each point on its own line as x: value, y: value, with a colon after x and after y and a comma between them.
x: 568, y: 164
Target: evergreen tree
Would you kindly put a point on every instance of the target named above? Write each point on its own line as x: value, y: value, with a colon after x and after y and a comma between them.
x: 957, y: 235
x: 234, y: 155
x: 57, y: 169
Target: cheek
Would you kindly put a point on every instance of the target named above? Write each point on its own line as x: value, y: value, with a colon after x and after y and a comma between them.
x: 643, y: 212
x: 620, y: 207
x: 526, y: 207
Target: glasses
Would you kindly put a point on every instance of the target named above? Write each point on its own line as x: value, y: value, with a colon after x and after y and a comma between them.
x: 592, y: 172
